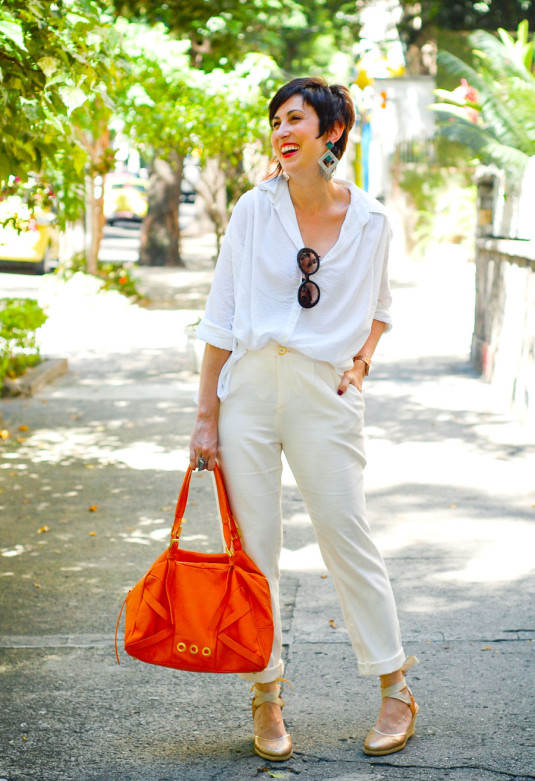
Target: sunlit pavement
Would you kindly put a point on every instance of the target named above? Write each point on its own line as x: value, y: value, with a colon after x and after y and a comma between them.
x: 89, y: 477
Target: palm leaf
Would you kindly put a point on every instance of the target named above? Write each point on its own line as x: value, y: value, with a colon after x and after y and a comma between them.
x: 504, y: 124
x: 458, y: 128
x: 462, y: 70
x: 452, y: 109
x: 501, y: 59
x: 487, y: 148
x: 506, y: 156
x: 448, y: 97
x: 506, y: 88
x: 523, y: 100
x: 523, y: 45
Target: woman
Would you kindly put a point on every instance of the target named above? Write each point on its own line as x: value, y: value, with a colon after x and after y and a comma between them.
x: 299, y: 300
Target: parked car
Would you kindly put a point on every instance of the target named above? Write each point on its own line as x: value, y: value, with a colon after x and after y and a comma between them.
x: 125, y: 198
x: 190, y: 178
x: 36, y: 245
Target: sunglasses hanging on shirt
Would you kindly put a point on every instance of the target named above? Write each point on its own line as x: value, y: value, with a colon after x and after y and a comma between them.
x: 308, y: 261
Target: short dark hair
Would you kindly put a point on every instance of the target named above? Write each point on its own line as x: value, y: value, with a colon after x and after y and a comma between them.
x: 331, y: 103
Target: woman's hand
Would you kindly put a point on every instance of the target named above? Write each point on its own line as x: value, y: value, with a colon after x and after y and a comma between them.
x: 204, y: 442
x: 354, y: 377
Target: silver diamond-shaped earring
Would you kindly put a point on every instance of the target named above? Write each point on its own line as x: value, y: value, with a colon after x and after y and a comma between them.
x: 328, y: 161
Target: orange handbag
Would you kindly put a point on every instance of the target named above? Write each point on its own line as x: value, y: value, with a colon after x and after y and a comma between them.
x: 203, y: 612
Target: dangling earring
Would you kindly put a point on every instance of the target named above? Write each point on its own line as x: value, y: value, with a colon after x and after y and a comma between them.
x: 328, y: 162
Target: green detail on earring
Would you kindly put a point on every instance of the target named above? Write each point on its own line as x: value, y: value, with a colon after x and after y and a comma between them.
x: 328, y: 161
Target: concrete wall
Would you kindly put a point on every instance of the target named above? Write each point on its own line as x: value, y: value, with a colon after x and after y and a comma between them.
x: 503, y: 342
x: 405, y: 118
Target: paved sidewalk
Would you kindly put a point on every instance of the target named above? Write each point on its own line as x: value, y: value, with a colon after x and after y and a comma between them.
x: 88, y: 483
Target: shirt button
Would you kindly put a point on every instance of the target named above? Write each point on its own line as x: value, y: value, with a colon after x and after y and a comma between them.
x: 282, y: 350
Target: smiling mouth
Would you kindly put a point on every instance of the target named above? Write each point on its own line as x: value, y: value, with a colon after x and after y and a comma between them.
x: 289, y: 150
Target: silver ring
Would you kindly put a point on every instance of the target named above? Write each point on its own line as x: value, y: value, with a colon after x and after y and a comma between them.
x: 201, y: 464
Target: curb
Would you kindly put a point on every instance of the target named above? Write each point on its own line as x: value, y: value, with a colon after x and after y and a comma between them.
x: 31, y: 382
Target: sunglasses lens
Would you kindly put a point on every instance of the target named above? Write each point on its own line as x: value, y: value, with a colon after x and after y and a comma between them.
x: 308, y: 294
x: 308, y: 260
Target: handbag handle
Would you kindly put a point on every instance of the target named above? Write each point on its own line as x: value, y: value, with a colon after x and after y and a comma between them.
x: 230, y: 528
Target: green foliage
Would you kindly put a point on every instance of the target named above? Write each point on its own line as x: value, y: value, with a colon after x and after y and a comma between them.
x: 493, y: 112
x: 439, y: 182
x: 172, y: 109
x: 235, y: 117
x: 19, y: 320
x: 114, y: 276
x: 59, y: 63
x: 433, y: 16
x: 119, y: 277
x: 219, y: 33
x: 51, y: 58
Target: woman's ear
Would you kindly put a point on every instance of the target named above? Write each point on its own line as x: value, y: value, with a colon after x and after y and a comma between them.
x: 336, y: 132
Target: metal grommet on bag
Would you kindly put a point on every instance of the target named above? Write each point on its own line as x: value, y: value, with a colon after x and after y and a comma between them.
x: 281, y: 350
x: 206, y: 652
x: 181, y: 647
x: 193, y: 649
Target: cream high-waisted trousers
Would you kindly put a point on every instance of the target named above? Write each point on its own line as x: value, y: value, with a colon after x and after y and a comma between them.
x: 281, y: 400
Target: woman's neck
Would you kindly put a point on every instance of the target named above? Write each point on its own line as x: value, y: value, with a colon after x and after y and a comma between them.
x: 312, y: 194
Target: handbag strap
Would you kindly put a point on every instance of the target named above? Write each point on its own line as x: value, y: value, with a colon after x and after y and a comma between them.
x: 230, y: 528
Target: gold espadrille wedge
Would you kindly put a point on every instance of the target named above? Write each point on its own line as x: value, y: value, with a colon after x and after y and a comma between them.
x: 377, y: 743
x: 277, y: 749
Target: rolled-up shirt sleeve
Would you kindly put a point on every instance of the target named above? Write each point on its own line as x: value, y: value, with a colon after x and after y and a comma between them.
x: 384, y: 299
x: 215, y: 327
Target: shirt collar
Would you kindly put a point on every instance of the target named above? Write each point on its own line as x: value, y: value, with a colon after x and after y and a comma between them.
x: 358, y: 215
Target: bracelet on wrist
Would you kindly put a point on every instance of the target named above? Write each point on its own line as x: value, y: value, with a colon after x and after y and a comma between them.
x: 366, y: 360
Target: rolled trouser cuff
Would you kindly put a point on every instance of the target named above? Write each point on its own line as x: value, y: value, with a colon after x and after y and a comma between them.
x: 265, y: 676
x: 384, y: 667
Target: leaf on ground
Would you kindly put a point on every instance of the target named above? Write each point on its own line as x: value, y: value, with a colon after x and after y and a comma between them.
x: 487, y: 648
x: 4, y: 433
x: 43, y: 529
x: 24, y: 428
x: 20, y: 440
x: 332, y: 624
x: 36, y: 585
x: 323, y: 577
x: 94, y: 508
x: 92, y: 534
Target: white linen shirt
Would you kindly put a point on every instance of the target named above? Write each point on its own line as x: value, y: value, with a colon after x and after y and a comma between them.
x: 253, y: 298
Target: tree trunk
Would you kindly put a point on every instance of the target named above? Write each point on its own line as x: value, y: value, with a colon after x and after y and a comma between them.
x: 96, y: 212
x: 212, y: 189
x: 97, y: 142
x: 160, y: 232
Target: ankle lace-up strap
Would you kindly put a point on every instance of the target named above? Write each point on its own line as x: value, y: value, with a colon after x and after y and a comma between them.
x: 395, y: 690
x: 260, y: 696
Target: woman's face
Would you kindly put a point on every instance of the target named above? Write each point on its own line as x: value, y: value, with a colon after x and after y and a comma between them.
x: 295, y: 127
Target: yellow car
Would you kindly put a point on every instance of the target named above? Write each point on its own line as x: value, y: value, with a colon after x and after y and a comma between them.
x: 36, y: 246
x: 125, y: 198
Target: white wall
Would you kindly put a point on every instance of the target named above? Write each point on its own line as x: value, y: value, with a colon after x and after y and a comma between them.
x: 406, y: 117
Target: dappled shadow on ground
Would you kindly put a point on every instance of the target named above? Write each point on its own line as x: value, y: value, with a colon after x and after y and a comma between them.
x: 191, y: 297
x: 433, y: 400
